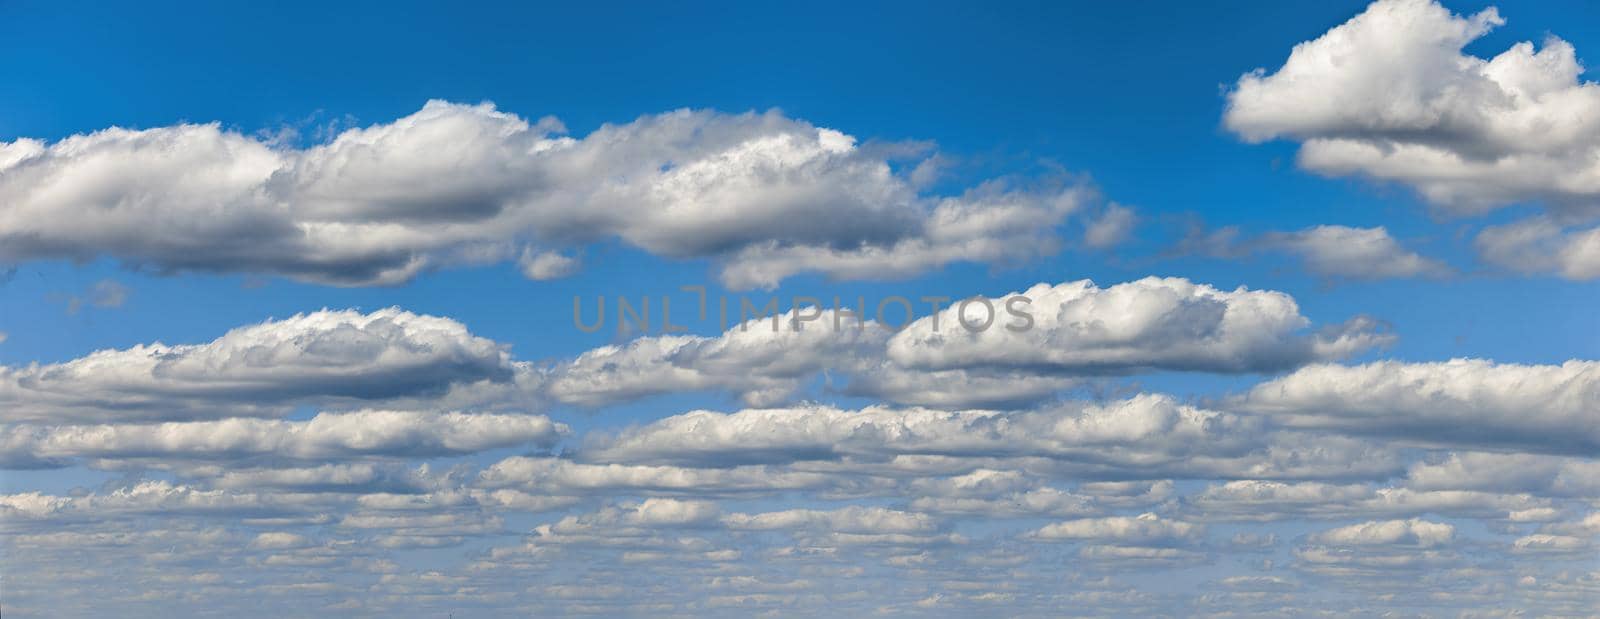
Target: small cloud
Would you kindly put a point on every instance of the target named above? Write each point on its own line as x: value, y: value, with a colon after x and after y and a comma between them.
x: 546, y: 265
x: 104, y: 293
x: 1111, y: 228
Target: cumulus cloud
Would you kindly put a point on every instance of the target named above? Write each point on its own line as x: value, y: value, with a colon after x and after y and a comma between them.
x: 1541, y: 245
x: 392, y: 358
x: 1144, y: 529
x: 763, y: 361
x: 1111, y: 228
x: 451, y: 184
x: 1371, y: 549
x: 323, y: 437
x: 546, y: 265
x: 1261, y: 500
x: 1144, y: 426
x: 852, y: 519
x: 259, y: 370
x: 1413, y: 532
x: 1536, y: 408
x: 1331, y: 251
x: 1148, y: 324
x: 1026, y: 351
x: 1355, y: 253
x: 1507, y: 472
x: 1390, y: 95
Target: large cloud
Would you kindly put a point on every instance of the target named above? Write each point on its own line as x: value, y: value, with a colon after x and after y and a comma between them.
x: 1148, y: 436
x: 1142, y: 431
x: 1390, y: 95
x: 1537, y: 408
x: 456, y: 183
x: 260, y: 370
x: 328, y: 436
x: 1148, y: 324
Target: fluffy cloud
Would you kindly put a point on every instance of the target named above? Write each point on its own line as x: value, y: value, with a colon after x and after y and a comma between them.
x: 454, y: 184
x: 1144, y: 529
x: 1390, y: 95
x: 1257, y: 500
x: 326, y: 436
x: 1355, y: 253
x: 1507, y: 472
x: 1153, y: 323
x: 852, y: 519
x: 1142, y: 429
x: 1540, y: 245
x: 763, y: 361
x: 392, y: 358
x: 1072, y: 331
x: 1538, y: 408
x: 1341, y: 252
x: 1413, y: 532
x: 1372, y: 549
x: 260, y: 370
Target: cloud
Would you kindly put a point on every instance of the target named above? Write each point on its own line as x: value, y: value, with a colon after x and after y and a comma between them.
x: 1389, y: 95
x: 1373, y: 549
x: 1413, y: 532
x: 1144, y: 529
x: 1148, y: 324
x: 104, y: 293
x: 1355, y: 253
x: 1507, y: 472
x: 1263, y: 501
x: 1533, y: 408
x: 1540, y: 245
x: 852, y: 519
x: 1143, y: 430
x: 1029, y: 349
x: 1111, y: 228
x: 259, y: 370
x: 767, y: 195
x: 391, y: 358
x: 323, y: 437
x: 1331, y: 251
x: 546, y: 265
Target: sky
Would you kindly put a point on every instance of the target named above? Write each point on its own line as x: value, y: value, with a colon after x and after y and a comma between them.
x: 1288, y: 309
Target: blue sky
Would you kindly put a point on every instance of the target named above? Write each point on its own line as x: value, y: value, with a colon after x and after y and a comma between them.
x: 1145, y: 110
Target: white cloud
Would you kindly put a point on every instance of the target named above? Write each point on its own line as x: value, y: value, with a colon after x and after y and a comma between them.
x: 1390, y: 95
x: 546, y: 265
x: 1078, y: 330
x: 260, y: 370
x: 326, y: 436
x: 1144, y: 529
x: 1146, y: 429
x: 1152, y: 323
x: 1537, y: 408
x: 1540, y: 245
x: 1355, y: 253
x: 1111, y: 228
x: 852, y: 519
x: 1330, y: 251
x: 1413, y: 532
x: 453, y: 184
x: 1258, y: 500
